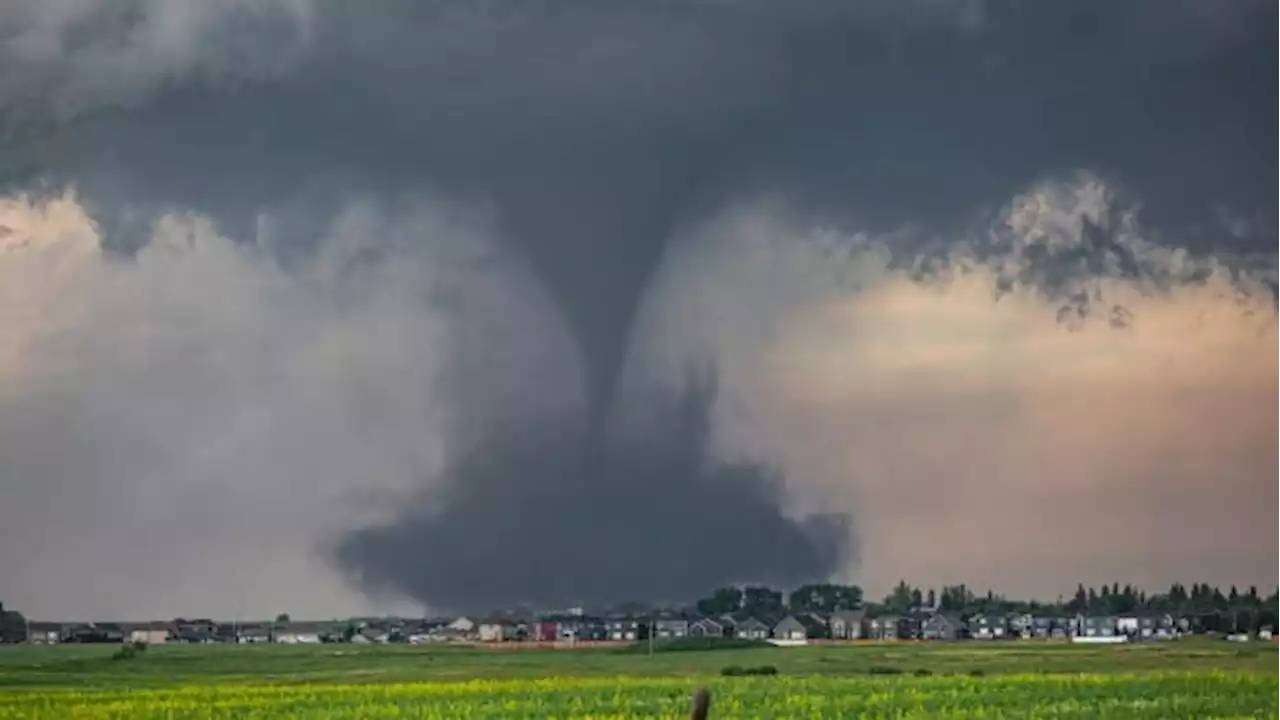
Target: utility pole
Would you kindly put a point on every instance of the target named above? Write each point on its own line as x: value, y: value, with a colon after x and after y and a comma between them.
x: 651, y: 624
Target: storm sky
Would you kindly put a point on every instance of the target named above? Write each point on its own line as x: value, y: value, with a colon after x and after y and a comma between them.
x: 317, y: 307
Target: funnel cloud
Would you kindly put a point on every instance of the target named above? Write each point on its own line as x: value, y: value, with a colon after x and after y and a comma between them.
x: 406, y: 297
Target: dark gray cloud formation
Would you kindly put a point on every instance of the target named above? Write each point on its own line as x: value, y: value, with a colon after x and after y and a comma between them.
x: 595, y: 132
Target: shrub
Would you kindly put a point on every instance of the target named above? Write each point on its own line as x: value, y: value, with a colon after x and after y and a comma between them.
x: 922, y: 672
x: 739, y: 671
x: 130, y: 651
x: 883, y: 670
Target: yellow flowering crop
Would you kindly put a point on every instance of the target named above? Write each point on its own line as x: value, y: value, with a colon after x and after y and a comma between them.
x: 1147, y: 695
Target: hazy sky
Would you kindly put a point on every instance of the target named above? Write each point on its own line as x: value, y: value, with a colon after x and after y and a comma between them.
x: 992, y: 284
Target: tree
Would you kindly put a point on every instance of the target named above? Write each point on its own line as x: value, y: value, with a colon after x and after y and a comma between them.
x: 825, y: 597
x: 931, y: 600
x: 13, y: 626
x: 723, y: 601
x: 282, y: 619
x: 1080, y: 602
x: 899, y: 600
x: 762, y: 603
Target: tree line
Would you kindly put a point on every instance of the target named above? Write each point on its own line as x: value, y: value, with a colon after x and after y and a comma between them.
x: 1207, y: 606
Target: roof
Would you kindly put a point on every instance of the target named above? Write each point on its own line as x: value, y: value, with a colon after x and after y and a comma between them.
x: 848, y: 616
x: 790, y: 622
x: 752, y: 624
x: 301, y: 628
x: 947, y: 617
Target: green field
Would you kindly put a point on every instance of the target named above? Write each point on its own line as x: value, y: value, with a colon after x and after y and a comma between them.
x: 1199, y: 679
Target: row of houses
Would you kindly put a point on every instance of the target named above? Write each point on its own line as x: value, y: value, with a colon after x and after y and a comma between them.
x: 922, y: 624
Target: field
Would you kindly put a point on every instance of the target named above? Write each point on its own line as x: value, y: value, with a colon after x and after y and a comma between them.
x: 1200, y: 679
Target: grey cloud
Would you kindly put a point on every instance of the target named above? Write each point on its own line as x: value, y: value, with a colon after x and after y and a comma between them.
x: 596, y: 132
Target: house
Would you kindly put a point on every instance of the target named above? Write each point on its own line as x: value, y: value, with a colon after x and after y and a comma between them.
x: 942, y: 626
x: 44, y: 633
x: 253, y: 633
x: 299, y: 633
x: 1019, y: 624
x: 1144, y: 626
x: 463, y: 625
x: 751, y: 629
x: 595, y: 630
x: 371, y: 635
x: 988, y: 626
x: 707, y: 627
x: 496, y: 630
x: 884, y: 628
x: 622, y: 628
x: 545, y: 630
x: 790, y: 628
x: 149, y: 633
x: 200, y: 631
x: 669, y: 628
x: 1096, y: 626
x: 846, y: 624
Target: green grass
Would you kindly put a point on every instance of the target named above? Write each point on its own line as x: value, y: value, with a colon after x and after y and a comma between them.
x: 1190, y: 678
x: 87, y: 666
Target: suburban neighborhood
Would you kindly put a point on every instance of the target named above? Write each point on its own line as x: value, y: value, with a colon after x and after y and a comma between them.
x: 811, y: 614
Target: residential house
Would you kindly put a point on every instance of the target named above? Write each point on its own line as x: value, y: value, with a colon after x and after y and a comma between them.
x: 93, y: 633
x: 496, y: 630
x: 595, y: 630
x: 729, y: 623
x: 751, y: 629
x: 1019, y: 625
x: 886, y: 627
x: 371, y: 635
x: 253, y: 633
x: 44, y: 633
x: 790, y: 628
x: 988, y: 626
x: 149, y: 633
x: 815, y: 625
x: 463, y: 625
x: 546, y: 630
x: 942, y: 626
x: 623, y: 628
x: 299, y: 633
x: 200, y: 631
x: 1096, y: 626
x: 846, y: 624
x: 670, y: 628
x: 707, y: 627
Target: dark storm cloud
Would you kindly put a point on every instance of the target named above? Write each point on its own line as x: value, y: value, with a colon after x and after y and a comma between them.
x: 597, y: 131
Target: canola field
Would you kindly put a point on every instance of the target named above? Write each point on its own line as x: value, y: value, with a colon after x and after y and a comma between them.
x: 1177, y: 695
x: 1194, y: 680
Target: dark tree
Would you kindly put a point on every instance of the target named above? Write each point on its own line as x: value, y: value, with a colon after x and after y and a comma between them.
x: 763, y: 603
x: 723, y: 601
x: 13, y: 626
x: 825, y: 597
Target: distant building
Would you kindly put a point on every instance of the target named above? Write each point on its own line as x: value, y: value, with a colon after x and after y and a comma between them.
x: 846, y: 624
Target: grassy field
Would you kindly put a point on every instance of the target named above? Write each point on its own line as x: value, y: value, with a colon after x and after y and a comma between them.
x: 1198, y: 679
